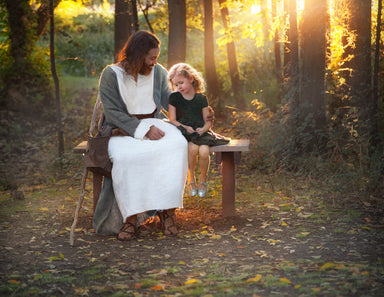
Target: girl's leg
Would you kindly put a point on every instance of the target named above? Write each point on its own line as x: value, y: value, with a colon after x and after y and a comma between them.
x: 193, y: 150
x: 204, y: 166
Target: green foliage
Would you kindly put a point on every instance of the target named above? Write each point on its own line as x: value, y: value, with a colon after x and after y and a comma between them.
x: 85, y: 47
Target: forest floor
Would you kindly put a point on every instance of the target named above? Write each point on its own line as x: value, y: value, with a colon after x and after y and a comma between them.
x: 301, y: 242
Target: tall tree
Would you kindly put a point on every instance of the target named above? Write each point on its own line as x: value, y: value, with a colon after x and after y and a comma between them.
x: 376, y: 75
x: 312, y: 105
x: 291, y: 65
x: 361, y: 94
x: 266, y: 27
x: 20, y: 75
x: 287, y: 16
x: 276, y: 42
x: 126, y: 22
x: 20, y: 15
x: 231, y: 52
x: 209, y: 57
x: 25, y: 26
x: 59, y: 126
x: 177, y: 37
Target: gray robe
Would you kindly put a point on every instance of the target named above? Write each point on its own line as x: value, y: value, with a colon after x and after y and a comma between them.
x: 107, y: 218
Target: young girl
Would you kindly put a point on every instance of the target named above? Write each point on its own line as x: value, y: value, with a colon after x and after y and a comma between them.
x: 188, y: 110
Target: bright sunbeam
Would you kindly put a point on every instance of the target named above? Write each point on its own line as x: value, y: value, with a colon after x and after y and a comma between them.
x: 255, y: 8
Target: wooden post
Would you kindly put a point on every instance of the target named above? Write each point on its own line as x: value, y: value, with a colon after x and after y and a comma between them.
x: 228, y: 191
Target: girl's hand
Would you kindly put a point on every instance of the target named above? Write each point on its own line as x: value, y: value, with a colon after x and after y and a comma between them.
x: 189, y: 129
x: 200, y: 131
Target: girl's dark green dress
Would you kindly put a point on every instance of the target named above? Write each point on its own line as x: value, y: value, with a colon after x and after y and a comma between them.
x: 189, y: 113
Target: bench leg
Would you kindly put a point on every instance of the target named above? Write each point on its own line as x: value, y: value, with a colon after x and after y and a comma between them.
x: 228, y: 189
x: 97, y: 183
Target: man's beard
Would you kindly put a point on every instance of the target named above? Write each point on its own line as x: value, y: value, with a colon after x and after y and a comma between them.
x: 146, y: 69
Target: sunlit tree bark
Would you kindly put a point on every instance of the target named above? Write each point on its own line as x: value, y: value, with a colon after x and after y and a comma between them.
x: 126, y: 22
x: 209, y: 58
x: 312, y: 105
x: 287, y: 43
x: 291, y: 66
x: 276, y: 43
x: 177, y: 37
x: 232, y: 60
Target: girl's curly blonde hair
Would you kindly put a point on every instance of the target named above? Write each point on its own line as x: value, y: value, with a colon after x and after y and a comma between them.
x: 187, y: 71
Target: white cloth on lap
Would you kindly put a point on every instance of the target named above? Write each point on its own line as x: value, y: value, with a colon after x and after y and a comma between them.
x: 149, y: 174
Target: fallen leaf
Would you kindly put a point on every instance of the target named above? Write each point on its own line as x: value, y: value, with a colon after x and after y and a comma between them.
x: 285, y: 280
x: 157, y: 288
x: 13, y: 281
x: 190, y: 281
x: 254, y: 279
x: 327, y: 265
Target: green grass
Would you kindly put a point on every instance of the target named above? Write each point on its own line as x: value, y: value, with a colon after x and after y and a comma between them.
x: 79, y: 82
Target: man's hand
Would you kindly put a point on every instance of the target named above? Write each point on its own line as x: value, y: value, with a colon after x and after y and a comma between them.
x: 154, y: 133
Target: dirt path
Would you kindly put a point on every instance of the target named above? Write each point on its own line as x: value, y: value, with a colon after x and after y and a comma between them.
x: 275, y: 246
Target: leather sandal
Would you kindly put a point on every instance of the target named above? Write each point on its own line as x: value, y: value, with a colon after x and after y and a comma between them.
x: 127, y: 232
x: 168, y: 223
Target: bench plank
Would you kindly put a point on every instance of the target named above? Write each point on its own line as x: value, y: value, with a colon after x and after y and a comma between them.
x: 235, y: 145
x: 80, y: 148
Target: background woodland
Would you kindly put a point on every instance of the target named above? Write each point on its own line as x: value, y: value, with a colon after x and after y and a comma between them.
x: 302, y: 79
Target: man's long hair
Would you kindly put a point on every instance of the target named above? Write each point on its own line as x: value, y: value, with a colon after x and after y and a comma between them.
x: 132, y: 56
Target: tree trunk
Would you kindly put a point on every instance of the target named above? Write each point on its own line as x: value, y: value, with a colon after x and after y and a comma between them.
x: 177, y: 38
x: 126, y: 22
x: 209, y: 58
x: 276, y: 43
x: 42, y: 14
x: 135, y: 25
x: 361, y: 94
x: 20, y: 16
x: 291, y: 67
x: 266, y: 27
x: 232, y: 60
x: 59, y: 126
x: 312, y: 105
x: 375, y: 110
x: 287, y: 47
x: 377, y: 55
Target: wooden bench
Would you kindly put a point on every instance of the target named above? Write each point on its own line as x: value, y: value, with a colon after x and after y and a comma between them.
x: 228, y: 155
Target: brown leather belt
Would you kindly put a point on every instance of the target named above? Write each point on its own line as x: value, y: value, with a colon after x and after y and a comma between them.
x: 144, y: 116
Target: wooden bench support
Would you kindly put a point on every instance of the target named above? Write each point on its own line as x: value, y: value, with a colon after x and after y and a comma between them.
x: 227, y: 155
x: 228, y: 188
